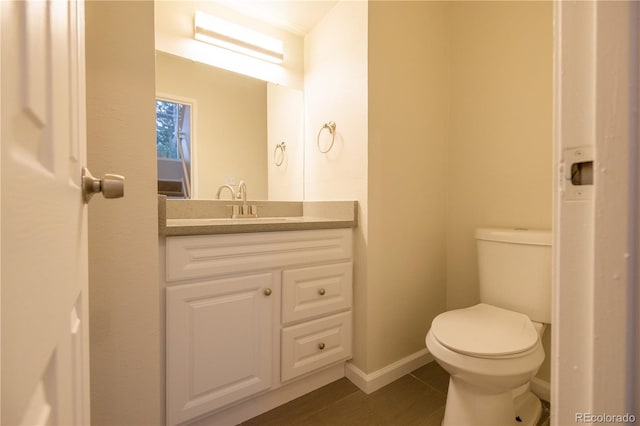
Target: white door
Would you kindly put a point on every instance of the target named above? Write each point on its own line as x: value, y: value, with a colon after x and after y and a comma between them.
x: 595, y: 222
x: 45, y: 375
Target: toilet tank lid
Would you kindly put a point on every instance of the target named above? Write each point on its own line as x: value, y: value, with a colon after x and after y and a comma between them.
x: 540, y: 237
x: 485, y: 331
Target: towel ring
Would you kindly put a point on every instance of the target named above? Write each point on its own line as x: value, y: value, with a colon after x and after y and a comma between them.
x: 281, y: 147
x: 332, y: 130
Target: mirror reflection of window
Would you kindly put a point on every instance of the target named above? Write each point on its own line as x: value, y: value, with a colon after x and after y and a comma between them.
x: 173, y: 143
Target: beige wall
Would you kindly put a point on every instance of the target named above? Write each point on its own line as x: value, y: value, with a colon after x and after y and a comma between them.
x: 231, y: 126
x: 500, y: 146
x: 500, y: 139
x: 408, y: 133
x: 123, y: 235
x: 285, y: 123
x: 458, y: 122
x: 459, y: 137
x: 335, y: 80
x: 336, y: 90
x: 335, y: 84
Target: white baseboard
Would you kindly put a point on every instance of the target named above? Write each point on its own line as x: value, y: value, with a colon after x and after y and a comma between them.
x: 541, y: 388
x: 371, y: 382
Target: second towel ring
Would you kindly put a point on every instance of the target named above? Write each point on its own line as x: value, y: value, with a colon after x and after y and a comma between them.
x: 332, y: 130
x: 282, y: 147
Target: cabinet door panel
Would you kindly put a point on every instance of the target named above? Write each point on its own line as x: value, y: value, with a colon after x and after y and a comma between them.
x: 219, y: 343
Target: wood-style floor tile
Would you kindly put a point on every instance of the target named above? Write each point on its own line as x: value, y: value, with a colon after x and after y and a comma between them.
x: 417, y: 399
x: 295, y: 411
x: 433, y: 375
x: 406, y: 401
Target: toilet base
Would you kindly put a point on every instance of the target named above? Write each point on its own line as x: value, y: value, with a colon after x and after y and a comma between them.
x: 528, y: 408
x: 468, y: 405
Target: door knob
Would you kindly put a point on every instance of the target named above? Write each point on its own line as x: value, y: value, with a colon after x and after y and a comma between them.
x: 111, y: 186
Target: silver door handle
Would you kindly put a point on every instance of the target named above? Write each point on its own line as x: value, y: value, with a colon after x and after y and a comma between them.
x: 111, y: 186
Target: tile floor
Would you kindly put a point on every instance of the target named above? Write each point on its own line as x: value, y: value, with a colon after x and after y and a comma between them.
x: 415, y: 399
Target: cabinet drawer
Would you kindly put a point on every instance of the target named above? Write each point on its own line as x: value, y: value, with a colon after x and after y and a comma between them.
x: 202, y: 256
x: 314, y: 291
x: 315, y: 344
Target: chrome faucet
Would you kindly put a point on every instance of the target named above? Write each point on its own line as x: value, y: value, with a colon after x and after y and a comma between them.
x: 244, y: 210
x: 230, y: 188
x: 242, y: 192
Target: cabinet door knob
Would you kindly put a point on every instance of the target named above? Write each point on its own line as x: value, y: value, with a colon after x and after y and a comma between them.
x: 321, y: 292
x: 321, y: 346
x: 267, y: 292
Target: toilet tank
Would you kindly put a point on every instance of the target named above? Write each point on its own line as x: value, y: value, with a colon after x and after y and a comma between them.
x: 514, y: 268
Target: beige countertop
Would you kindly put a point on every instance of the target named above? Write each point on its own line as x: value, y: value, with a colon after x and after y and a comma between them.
x: 201, y: 217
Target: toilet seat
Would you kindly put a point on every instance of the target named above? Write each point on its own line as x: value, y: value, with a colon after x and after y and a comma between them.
x: 485, y: 331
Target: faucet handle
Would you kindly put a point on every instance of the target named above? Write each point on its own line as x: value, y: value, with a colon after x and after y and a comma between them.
x: 247, y: 210
x: 244, y: 211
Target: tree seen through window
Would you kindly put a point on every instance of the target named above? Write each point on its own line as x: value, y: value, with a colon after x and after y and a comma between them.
x: 167, y: 128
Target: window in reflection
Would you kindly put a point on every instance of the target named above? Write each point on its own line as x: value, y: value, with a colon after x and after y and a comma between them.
x: 173, y: 143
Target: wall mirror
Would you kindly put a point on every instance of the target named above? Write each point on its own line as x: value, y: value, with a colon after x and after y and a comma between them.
x: 216, y: 127
x: 246, y: 116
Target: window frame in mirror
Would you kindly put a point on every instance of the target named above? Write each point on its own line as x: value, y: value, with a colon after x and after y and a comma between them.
x: 193, y: 130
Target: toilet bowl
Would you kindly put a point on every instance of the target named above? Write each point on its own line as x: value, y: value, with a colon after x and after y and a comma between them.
x: 492, y: 350
x: 491, y: 354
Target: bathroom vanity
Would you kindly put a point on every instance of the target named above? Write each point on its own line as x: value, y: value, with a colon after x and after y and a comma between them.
x: 257, y: 317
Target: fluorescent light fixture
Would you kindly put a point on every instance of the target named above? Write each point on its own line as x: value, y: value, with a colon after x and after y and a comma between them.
x: 236, y: 38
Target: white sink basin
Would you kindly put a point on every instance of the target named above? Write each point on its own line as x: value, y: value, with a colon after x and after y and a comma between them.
x: 230, y: 221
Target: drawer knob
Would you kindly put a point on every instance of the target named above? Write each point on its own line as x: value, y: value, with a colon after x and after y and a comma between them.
x: 321, y: 346
x: 267, y: 292
x: 321, y: 292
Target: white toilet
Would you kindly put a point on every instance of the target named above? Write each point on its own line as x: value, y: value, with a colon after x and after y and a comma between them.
x: 492, y: 350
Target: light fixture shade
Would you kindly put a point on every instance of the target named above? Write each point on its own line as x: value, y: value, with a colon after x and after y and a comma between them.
x: 236, y: 38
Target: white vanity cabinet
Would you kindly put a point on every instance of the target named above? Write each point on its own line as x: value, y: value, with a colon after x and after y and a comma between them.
x: 250, y: 313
